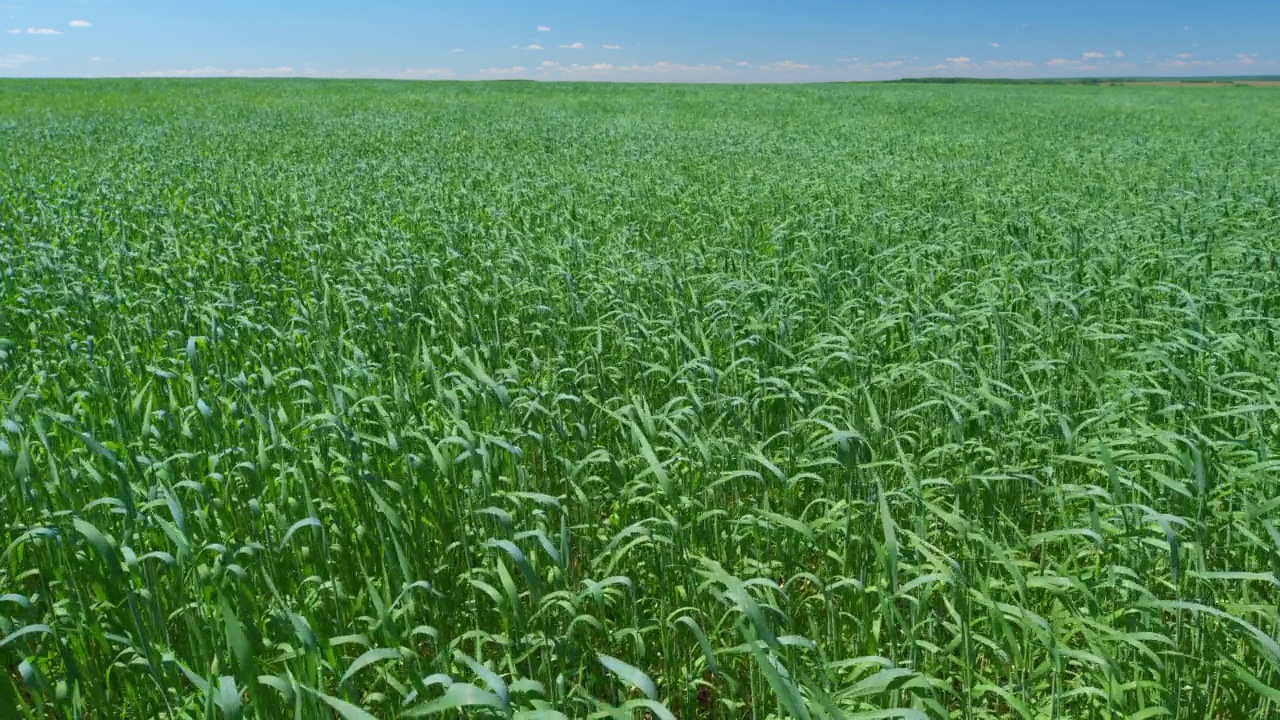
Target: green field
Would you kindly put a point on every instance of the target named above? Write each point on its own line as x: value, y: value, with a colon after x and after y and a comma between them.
x: 374, y: 399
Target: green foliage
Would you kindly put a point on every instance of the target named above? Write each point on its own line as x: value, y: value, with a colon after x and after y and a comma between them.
x: 378, y: 400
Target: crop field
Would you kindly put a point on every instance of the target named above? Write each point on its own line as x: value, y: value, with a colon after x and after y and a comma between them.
x: 509, y: 400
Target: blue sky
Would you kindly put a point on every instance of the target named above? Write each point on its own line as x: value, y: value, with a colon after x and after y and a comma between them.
x: 643, y: 40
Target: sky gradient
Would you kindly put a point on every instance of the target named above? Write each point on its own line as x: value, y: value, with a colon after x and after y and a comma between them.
x: 653, y: 40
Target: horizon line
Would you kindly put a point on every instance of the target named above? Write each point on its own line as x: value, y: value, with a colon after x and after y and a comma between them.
x: 908, y: 78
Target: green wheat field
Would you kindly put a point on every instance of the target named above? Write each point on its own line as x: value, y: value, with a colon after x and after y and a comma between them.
x: 508, y: 400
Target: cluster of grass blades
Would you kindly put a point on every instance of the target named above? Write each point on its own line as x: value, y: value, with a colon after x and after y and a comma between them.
x: 384, y: 400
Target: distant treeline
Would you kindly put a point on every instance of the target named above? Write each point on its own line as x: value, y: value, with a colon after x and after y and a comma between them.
x: 1082, y: 81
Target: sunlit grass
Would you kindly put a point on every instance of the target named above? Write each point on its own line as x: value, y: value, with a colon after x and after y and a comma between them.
x: 399, y: 399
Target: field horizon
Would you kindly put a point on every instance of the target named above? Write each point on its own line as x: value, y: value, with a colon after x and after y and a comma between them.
x: 1262, y: 80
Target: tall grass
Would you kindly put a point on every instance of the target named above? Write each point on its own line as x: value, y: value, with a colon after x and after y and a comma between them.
x: 393, y: 400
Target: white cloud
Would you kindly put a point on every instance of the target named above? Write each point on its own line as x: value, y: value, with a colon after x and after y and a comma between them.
x: 1184, y: 63
x: 612, y: 47
x: 264, y: 72
x: 80, y: 23
x: 42, y: 31
x: 995, y: 45
x: 575, y: 46
x: 659, y: 71
x: 409, y: 74
x: 787, y: 65
x: 503, y: 72
x: 907, y: 66
x: 543, y: 28
x: 1077, y: 65
x: 211, y: 71
x: 1093, y: 55
x: 847, y: 60
x: 885, y: 70
x: 14, y: 31
x: 426, y: 73
x: 459, y: 50
x: 744, y: 64
x: 1119, y: 53
x: 1183, y: 56
x: 96, y: 58
x: 962, y: 60
x: 1244, y: 59
x: 527, y: 47
x: 13, y: 61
